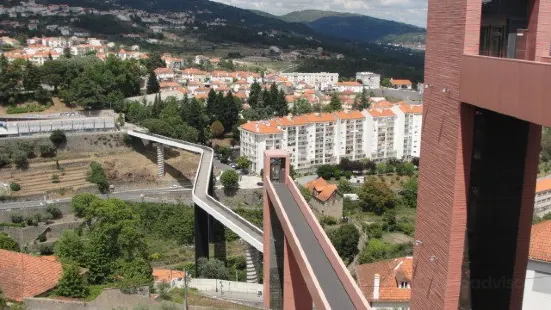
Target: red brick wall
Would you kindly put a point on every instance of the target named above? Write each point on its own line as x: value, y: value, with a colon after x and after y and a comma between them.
x: 443, y: 178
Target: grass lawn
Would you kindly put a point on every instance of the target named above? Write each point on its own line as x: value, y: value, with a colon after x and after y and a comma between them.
x: 397, y: 238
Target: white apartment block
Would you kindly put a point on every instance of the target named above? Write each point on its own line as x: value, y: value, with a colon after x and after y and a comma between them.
x: 325, y: 138
x: 381, y: 123
x: 369, y: 79
x: 320, y: 80
x: 409, y: 119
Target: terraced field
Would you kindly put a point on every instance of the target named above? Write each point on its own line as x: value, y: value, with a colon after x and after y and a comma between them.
x: 39, y: 180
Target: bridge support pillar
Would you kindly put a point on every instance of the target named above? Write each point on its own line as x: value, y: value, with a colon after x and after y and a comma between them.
x: 295, y: 292
x: 160, y: 159
x: 251, y: 258
x: 218, y: 237
x: 201, y: 235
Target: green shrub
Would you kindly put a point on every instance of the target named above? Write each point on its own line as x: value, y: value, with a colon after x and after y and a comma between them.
x: 55, y: 212
x: 12, y: 224
x: 47, y: 150
x: 46, y: 249
x: 42, y: 238
x: 15, y: 187
x: 55, y: 178
x: 17, y: 218
x: 97, y: 176
x: 58, y: 137
x: 19, y: 158
x: 328, y: 220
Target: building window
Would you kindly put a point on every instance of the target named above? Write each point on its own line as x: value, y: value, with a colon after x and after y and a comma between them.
x: 404, y: 284
x: 542, y: 282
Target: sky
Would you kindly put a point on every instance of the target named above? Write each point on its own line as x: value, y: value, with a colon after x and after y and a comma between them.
x: 407, y: 11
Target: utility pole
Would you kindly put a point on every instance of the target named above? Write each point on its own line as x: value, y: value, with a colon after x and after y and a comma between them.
x: 185, y: 289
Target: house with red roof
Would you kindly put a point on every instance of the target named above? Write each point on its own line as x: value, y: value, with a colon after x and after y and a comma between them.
x: 401, y: 84
x: 326, y: 201
x: 537, y: 285
x: 23, y: 275
x: 387, y: 284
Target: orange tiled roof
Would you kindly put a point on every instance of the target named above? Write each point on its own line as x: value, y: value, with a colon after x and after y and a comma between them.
x: 193, y: 71
x: 350, y: 114
x: 381, y: 104
x: 23, y: 275
x: 540, y: 242
x: 167, y: 275
x: 262, y: 127
x: 543, y: 185
x: 412, y: 108
x: 400, y: 82
x: 241, y: 95
x: 169, y: 84
x: 391, y: 272
x: 381, y: 112
x: 163, y: 71
x: 323, y: 189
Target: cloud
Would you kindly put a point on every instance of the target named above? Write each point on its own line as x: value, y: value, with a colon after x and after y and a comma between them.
x: 407, y: 11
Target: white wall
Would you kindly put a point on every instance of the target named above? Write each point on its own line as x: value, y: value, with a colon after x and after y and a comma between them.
x: 399, y: 129
x: 534, y: 300
x: 210, y: 285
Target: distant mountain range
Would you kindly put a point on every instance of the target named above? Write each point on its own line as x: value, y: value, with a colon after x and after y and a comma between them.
x: 355, y: 27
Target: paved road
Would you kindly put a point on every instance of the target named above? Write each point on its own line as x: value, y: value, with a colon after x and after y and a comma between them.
x: 242, y: 298
x: 331, y: 285
x: 131, y: 195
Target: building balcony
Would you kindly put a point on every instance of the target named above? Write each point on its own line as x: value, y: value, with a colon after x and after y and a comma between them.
x: 507, y: 86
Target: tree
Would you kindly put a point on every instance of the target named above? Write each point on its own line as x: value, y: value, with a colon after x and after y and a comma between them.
x: 20, y: 160
x: 229, y: 111
x: 376, y: 196
x: 67, y: 52
x: 4, y: 160
x: 212, y: 269
x: 278, y: 101
x: 334, y: 104
x: 153, y: 86
x: 386, y: 82
x: 70, y: 247
x: 409, y: 193
x: 362, y: 101
x: 72, y: 283
x: 325, y: 171
x: 243, y: 162
x: 302, y: 106
x: 305, y: 192
x: 254, y: 96
x: 212, y: 105
x: 225, y: 153
x: 345, y: 240
x: 47, y: 150
x: 7, y: 243
x: 230, y: 179
x: 193, y: 112
x: 345, y: 187
x: 58, y: 137
x: 389, y: 220
x: 31, y: 77
x: 217, y: 129
x: 81, y: 203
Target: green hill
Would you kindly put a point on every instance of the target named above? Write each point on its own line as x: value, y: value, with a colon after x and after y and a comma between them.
x: 308, y: 16
x: 357, y: 27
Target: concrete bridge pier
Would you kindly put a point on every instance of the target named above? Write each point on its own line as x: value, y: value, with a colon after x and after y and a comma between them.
x: 201, y: 235
x: 160, y: 159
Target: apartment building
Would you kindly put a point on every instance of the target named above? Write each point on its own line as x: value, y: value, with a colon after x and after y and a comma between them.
x: 408, y: 124
x: 320, y: 80
x: 351, y: 135
x: 369, y: 79
x: 325, y: 138
x: 381, y: 140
